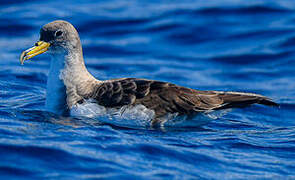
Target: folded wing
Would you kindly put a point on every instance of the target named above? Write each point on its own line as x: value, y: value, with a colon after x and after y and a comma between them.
x: 166, y: 98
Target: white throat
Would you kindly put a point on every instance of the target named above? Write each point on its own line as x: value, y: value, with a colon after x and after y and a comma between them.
x: 56, y: 90
x: 68, y: 81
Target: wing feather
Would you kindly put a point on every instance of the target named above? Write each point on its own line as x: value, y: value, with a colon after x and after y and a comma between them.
x: 165, y: 97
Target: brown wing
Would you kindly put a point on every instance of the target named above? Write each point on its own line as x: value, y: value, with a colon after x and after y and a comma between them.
x: 120, y: 92
x: 165, y: 97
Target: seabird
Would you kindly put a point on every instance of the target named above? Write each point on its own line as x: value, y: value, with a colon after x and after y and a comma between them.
x: 70, y: 84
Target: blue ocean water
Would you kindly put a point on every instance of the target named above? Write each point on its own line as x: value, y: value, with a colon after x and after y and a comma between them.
x: 232, y: 45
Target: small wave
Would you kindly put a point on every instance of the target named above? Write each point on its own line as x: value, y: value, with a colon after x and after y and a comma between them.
x: 250, y: 58
x: 225, y: 10
x: 8, y: 171
x: 243, y: 10
x: 9, y: 29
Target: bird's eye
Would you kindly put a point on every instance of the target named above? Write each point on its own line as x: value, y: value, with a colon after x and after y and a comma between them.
x: 58, y: 33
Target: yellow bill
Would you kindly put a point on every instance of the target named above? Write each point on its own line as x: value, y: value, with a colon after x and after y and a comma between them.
x: 39, y: 48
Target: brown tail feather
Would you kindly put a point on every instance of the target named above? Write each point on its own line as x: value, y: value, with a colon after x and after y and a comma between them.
x: 268, y: 102
x: 237, y: 99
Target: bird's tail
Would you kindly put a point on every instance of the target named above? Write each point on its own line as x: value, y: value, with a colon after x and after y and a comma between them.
x: 239, y: 99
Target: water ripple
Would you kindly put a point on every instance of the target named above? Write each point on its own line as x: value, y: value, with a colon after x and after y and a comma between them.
x: 242, y: 46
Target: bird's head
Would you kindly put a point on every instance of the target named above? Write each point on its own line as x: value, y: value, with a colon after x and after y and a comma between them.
x: 56, y: 37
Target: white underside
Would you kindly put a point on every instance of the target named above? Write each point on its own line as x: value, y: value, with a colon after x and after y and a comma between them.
x: 139, y: 115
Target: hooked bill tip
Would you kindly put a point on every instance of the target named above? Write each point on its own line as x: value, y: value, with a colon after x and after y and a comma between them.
x: 22, y: 57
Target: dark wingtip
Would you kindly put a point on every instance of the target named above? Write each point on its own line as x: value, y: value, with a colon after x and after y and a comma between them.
x: 268, y: 102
